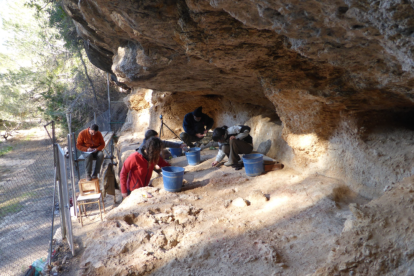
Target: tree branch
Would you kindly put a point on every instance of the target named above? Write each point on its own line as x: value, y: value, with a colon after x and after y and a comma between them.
x: 87, y: 75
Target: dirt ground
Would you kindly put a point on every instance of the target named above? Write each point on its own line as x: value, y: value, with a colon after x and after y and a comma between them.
x: 26, y: 187
x: 64, y: 263
x: 23, y: 150
x: 226, y: 223
x: 222, y: 223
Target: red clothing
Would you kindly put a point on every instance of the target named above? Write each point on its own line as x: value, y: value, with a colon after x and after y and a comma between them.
x: 85, y: 141
x: 135, y: 172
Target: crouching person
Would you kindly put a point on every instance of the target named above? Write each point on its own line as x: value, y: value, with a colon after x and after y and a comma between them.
x: 166, y: 144
x: 232, y: 141
x: 137, y: 169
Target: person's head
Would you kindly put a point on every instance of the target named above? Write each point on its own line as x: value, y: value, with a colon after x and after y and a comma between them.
x: 153, y: 147
x: 197, y: 113
x: 219, y: 134
x: 93, y: 129
x: 150, y: 133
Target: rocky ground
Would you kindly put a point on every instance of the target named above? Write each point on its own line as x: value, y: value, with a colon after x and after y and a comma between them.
x: 223, y: 223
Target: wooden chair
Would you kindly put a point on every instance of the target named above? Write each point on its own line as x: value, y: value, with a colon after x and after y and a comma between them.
x: 89, y: 193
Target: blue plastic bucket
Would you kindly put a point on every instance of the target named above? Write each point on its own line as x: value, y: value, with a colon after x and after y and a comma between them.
x: 176, y: 151
x: 193, y: 156
x: 173, y: 178
x: 253, y: 164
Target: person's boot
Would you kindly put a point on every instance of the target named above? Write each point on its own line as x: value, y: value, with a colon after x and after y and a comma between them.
x: 94, y: 177
x: 238, y: 166
x: 88, y: 177
x: 228, y: 164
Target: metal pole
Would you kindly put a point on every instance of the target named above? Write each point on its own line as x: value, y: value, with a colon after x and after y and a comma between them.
x: 109, y: 100
x: 60, y: 193
x: 69, y: 120
x: 53, y: 217
x: 76, y: 157
x: 53, y: 133
x: 72, y: 176
x: 172, y: 132
x: 94, y: 117
x: 160, y: 132
x: 60, y: 197
x: 45, y: 126
x: 112, y: 150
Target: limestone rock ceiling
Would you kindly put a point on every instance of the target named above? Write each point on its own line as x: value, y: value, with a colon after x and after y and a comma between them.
x: 313, y: 60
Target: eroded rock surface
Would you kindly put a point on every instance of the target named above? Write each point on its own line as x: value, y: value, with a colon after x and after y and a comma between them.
x: 334, y: 72
x: 325, y: 57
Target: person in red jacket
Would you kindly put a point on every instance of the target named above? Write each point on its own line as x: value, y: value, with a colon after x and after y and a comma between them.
x: 90, y: 140
x: 137, y: 169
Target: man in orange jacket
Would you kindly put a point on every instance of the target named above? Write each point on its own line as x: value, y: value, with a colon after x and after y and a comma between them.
x: 91, y: 142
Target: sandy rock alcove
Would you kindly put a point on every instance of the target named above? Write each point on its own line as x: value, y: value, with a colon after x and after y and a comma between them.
x: 325, y: 85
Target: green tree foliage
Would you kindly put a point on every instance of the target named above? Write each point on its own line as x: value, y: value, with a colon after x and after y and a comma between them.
x: 44, y: 71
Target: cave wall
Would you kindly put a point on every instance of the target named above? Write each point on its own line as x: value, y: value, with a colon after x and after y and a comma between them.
x: 326, y: 68
x: 145, y: 107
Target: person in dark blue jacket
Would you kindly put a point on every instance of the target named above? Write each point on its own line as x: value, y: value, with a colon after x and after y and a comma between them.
x: 166, y: 144
x: 195, y: 124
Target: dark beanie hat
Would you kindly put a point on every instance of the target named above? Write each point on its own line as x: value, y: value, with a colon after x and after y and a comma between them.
x: 198, y: 111
x: 150, y: 133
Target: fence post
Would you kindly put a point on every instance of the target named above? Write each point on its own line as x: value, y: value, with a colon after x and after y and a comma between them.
x: 76, y: 156
x: 69, y: 120
x: 72, y: 176
x: 109, y: 101
x: 60, y: 197
x: 53, y: 217
x: 64, y: 195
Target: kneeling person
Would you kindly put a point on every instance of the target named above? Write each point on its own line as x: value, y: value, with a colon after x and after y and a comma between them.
x: 196, y: 125
x: 232, y: 141
x: 166, y: 144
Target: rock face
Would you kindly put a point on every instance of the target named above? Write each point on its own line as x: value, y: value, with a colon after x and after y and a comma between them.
x: 337, y: 73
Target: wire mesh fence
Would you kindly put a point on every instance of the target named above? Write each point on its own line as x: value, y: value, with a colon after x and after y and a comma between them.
x: 104, y: 122
x: 26, y: 211
x: 26, y: 203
